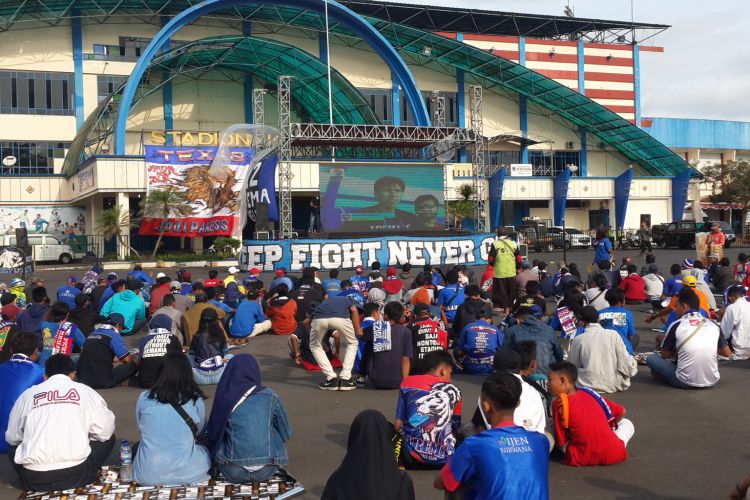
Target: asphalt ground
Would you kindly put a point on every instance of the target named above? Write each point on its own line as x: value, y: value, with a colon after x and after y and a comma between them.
x: 687, y: 444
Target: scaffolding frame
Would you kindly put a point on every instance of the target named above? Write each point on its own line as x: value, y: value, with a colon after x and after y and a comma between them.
x: 259, y: 106
x: 479, y: 166
x: 438, y: 108
x: 285, y: 156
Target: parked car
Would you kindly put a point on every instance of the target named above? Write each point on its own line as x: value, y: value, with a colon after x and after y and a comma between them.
x: 682, y: 234
x: 46, y: 247
x: 657, y: 231
x: 551, y: 238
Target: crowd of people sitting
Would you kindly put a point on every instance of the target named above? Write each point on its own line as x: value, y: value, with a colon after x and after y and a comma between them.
x: 559, y: 343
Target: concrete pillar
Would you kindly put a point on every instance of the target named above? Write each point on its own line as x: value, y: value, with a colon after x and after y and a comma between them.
x: 694, y: 195
x: 93, y: 210
x: 728, y: 155
x: 123, y: 201
x: 692, y: 155
x: 198, y: 245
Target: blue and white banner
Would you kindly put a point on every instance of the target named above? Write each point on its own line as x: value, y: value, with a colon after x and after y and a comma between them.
x: 349, y: 253
x: 262, y: 188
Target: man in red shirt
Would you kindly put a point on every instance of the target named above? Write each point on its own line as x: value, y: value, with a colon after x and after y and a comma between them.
x: 715, y: 242
x: 212, y: 280
x: 158, y: 293
x: 589, y: 428
x: 634, y: 286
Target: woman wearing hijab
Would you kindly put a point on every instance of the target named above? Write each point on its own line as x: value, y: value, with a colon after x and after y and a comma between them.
x: 248, y: 425
x: 369, y: 470
x: 208, y: 350
x: 169, y: 417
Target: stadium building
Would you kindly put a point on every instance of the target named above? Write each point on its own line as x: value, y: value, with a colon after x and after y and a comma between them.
x: 554, y: 104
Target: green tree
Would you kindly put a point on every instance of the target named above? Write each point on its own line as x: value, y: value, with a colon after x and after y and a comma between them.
x: 730, y: 183
x: 163, y: 204
x: 463, y: 208
x: 116, y: 223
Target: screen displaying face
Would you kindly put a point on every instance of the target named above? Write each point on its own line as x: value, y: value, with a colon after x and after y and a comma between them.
x: 382, y: 198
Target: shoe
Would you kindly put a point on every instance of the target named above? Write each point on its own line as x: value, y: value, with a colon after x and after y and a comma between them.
x: 329, y: 385
x: 360, y: 381
x: 347, y: 384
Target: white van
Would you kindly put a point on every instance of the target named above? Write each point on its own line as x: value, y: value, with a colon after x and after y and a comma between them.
x: 47, y: 247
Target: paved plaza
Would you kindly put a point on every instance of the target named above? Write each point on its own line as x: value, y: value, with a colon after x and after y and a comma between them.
x: 687, y: 444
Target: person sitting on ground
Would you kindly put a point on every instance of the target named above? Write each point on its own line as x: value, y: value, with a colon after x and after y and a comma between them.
x: 526, y: 349
x: 8, y: 302
x: 30, y: 319
x: 427, y: 335
x: 530, y: 413
x: 600, y: 356
x: 82, y: 314
x: 633, y: 286
x: 429, y: 436
x: 533, y: 296
x: 490, y: 465
x: 56, y: 442
x: 299, y: 346
x: 282, y: 311
x: 369, y: 470
x: 376, y: 294
x: 168, y: 309
x: 347, y: 289
x: 618, y: 318
x: 102, y: 286
x: 68, y: 292
x: 740, y: 269
x: 735, y: 324
x: 213, y: 280
x: 485, y: 282
x: 102, y: 349
x: 694, y: 340
x: 530, y: 327
x: 595, y: 295
x: 170, y: 417
x: 603, y: 268
x: 524, y: 277
x: 153, y: 347
x: 654, y: 286
x: 181, y: 301
x: 389, y: 347
x: 572, y: 303
x: 589, y: 428
x: 248, y: 425
x: 158, y: 292
x: 192, y: 317
x: 249, y: 319
x: 8, y: 330
x: 130, y: 305
x: 371, y: 313
x: 215, y: 300
x: 650, y: 261
x: 58, y: 334
x: 375, y: 274
x: 306, y: 292
x: 669, y: 315
x: 570, y: 279
x: 140, y: 274
x: 701, y: 277
x: 332, y: 285
x: 674, y: 284
x: 723, y: 277
x: 209, y: 352
x: 393, y: 285
x: 467, y: 311
x: 406, y: 276
x: 478, y: 343
x: 16, y: 375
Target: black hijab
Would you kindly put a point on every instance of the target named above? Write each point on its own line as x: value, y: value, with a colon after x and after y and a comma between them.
x: 369, y: 470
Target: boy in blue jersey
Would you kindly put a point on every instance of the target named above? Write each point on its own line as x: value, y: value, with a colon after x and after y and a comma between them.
x: 618, y: 318
x: 478, y: 343
x: 359, y: 281
x: 332, y: 285
x: 506, y: 462
x: 451, y: 296
x: 68, y: 292
x: 674, y: 284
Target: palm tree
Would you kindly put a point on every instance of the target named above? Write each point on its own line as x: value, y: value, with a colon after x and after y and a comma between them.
x: 163, y: 203
x: 463, y: 208
x: 113, y: 222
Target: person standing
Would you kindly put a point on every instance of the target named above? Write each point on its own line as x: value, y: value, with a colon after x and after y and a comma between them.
x: 715, y: 242
x: 59, y: 432
x: 644, y: 236
x: 603, y: 249
x: 504, y: 253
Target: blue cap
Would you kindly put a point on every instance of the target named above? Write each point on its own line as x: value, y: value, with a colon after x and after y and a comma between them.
x: 116, y: 319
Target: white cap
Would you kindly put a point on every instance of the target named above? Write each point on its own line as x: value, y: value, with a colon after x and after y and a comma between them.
x: 160, y: 276
x: 233, y: 270
x: 175, y: 285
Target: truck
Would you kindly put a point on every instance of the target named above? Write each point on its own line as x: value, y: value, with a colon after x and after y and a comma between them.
x: 682, y: 233
x: 540, y: 235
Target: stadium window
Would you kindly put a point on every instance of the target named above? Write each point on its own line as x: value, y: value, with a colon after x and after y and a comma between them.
x: 33, y: 158
x: 36, y: 93
x: 381, y: 103
x: 106, y: 84
x: 551, y: 163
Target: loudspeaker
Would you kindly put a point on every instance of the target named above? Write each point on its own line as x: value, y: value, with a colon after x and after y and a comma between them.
x: 261, y: 216
x: 22, y: 237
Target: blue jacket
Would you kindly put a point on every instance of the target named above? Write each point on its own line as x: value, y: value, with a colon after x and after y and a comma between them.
x: 480, y: 341
x: 547, y: 342
x: 141, y: 275
x: 67, y: 294
x: 16, y: 375
x: 127, y: 303
x: 256, y: 433
x: 30, y: 319
x: 248, y: 313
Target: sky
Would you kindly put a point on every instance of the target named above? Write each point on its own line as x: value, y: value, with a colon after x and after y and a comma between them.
x: 703, y: 71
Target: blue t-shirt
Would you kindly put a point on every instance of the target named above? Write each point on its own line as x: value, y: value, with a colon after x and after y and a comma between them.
x: 359, y: 282
x: 116, y: 343
x: 673, y: 286
x: 332, y: 287
x: 69, y: 337
x: 450, y: 298
x: 221, y: 305
x: 334, y: 307
x: 68, y: 294
x: 248, y: 313
x: 505, y: 462
x: 16, y: 375
x: 480, y: 341
x: 601, y: 250
x: 620, y: 320
x: 143, y: 276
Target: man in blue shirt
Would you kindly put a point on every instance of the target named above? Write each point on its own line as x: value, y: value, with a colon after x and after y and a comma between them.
x: 616, y: 317
x: 674, y: 284
x: 68, y: 292
x: 506, y: 461
x: 249, y: 319
x: 602, y: 246
x: 16, y: 375
x: 451, y: 296
x: 105, y: 345
x: 140, y: 274
x: 479, y: 342
x: 332, y: 285
x: 280, y: 278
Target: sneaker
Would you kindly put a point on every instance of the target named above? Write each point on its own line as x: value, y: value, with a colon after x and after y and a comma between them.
x: 360, y: 381
x: 347, y: 384
x: 329, y: 385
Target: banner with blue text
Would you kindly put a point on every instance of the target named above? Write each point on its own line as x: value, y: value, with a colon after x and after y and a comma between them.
x: 349, y: 253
